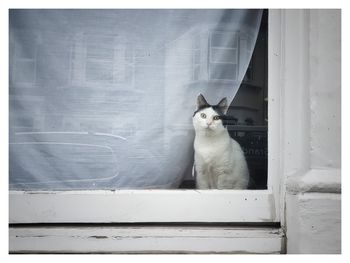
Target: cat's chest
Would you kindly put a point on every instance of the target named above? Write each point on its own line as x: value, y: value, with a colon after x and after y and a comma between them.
x: 210, y: 151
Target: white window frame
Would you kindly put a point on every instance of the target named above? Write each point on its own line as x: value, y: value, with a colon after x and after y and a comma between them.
x: 160, y: 206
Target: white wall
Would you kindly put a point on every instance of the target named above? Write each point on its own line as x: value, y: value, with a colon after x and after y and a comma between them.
x: 325, y: 58
x: 312, y: 130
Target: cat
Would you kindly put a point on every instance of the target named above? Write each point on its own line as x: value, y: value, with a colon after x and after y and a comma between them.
x: 219, y: 161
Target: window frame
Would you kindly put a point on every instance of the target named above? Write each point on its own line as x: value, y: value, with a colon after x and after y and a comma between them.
x: 175, y: 206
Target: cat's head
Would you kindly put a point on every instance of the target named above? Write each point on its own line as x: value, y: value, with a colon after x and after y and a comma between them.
x: 209, y: 118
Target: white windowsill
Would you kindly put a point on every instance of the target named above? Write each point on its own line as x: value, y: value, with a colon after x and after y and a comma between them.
x: 132, y: 206
x: 146, y: 239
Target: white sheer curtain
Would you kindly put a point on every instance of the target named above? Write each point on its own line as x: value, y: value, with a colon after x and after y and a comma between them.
x: 103, y: 99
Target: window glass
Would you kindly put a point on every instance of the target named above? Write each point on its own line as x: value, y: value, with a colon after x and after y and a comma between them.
x: 103, y: 99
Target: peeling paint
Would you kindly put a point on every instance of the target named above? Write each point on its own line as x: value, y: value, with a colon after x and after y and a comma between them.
x: 98, y: 237
x: 220, y: 240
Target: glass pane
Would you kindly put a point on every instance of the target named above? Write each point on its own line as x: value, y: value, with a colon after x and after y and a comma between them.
x: 104, y: 99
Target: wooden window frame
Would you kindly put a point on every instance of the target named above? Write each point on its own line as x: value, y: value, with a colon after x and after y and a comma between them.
x: 175, y: 206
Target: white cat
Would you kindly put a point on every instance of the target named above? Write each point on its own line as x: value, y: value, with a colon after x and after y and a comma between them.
x: 219, y: 159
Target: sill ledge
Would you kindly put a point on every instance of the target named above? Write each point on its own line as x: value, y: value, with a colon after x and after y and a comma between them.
x: 146, y: 239
x: 315, y: 180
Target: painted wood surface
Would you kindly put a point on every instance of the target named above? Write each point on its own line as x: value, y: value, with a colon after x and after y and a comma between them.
x: 146, y: 239
x: 128, y: 206
x: 275, y: 108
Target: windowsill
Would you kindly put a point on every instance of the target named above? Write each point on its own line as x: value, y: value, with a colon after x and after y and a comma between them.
x: 132, y: 206
x: 146, y: 239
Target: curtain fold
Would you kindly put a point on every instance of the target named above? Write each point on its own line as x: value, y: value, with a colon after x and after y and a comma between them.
x: 103, y: 99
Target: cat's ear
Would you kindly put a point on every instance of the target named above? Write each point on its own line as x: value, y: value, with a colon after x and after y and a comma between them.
x: 201, y: 102
x: 223, y: 105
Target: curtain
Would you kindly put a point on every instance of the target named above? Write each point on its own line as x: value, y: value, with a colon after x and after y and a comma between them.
x: 103, y: 99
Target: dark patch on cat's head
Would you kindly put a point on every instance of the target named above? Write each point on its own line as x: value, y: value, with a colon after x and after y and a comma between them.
x: 201, y: 104
x: 220, y: 108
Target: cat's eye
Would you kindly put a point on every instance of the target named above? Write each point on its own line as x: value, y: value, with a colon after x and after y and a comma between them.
x: 203, y: 115
x: 216, y: 117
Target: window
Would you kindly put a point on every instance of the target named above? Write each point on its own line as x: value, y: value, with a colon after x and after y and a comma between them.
x: 23, y: 61
x: 89, y: 109
x: 223, y: 53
